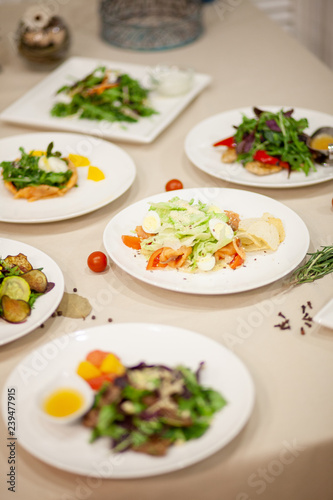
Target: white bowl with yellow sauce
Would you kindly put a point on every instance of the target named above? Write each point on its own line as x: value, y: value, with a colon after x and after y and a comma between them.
x: 66, y: 400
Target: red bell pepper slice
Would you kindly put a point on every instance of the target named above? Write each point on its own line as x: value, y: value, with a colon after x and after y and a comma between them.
x: 236, y: 261
x: 154, y: 260
x: 264, y: 157
x: 229, y: 142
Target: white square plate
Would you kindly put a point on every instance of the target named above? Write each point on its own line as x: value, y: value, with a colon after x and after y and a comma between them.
x: 34, y: 107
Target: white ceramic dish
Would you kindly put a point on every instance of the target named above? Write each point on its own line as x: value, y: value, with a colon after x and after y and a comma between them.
x: 199, y: 149
x: 261, y: 268
x: 46, y: 304
x: 34, y: 107
x: 67, y: 447
x: 116, y: 164
x: 66, y: 380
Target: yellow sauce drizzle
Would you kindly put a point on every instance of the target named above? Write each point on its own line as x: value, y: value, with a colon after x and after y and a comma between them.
x: 63, y: 402
x: 95, y: 174
x: 322, y: 141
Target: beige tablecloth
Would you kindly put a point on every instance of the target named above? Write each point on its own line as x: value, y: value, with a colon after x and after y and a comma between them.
x: 285, y: 450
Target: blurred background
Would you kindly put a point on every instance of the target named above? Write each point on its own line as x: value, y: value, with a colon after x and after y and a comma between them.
x: 309, y: 21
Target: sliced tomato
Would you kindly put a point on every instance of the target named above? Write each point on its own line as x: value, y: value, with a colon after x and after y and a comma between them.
x: 236, y: 261
x: 132, y: 242
x: 96, y: 357
x: 97, y: 382
x: 154, y: 260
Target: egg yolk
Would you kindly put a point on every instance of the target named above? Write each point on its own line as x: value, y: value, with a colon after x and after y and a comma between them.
x: 63, y: 402
x: 79, y: 161
x: 95, y: 174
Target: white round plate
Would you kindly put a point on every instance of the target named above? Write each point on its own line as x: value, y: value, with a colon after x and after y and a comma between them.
x: 68, y: 447
x: 200, y: 150
x: 261, y: 267
x: 116, y: 164
x: 46, y: 304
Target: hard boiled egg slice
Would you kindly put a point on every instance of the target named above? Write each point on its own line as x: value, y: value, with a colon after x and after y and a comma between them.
x: 206, y: 263
x: 66, y: 399
x: 151, y: 222
x: 219, y: 229
x: 52, y: 164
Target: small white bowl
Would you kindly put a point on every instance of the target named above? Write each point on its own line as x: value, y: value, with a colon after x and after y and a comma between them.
x: 171, y: 81
x: 70, y: 381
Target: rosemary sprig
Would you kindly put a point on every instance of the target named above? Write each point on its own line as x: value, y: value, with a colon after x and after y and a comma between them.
x: 319, y: 264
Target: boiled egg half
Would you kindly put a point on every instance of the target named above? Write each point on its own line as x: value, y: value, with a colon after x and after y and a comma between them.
x: 220, y: 229
x: 151, y: 222
x: 206, y: 263
x: 66, y: 399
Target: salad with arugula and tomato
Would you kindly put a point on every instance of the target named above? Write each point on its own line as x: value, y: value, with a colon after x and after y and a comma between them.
x: 268, y: 143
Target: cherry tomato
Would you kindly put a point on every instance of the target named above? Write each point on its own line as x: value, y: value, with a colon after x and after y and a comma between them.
x: 97, y: 262
x: 173, y: 185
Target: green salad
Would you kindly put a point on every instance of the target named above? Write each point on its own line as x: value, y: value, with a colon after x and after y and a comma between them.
x: 105, y: 94
x: 152, y: 407
x: 201, y: 228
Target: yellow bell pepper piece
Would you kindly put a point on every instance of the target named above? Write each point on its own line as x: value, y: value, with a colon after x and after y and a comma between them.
x: 87, y: 370
x: 95, y: 174
x: 78, y: 160
x: 111, y: 364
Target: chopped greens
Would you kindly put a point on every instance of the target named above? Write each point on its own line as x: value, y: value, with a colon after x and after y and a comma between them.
x: 151, y: 407
x: 279, y: 135
x: 105, y: 95
x: 26, y: 172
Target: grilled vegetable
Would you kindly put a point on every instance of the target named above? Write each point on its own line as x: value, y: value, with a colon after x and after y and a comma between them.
x: 15, y: 287
x: 13, y: 310
x: 19, y: 260
x: 36, y: 280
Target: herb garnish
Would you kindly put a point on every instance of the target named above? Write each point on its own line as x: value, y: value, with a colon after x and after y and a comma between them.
x: 319, y: 265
